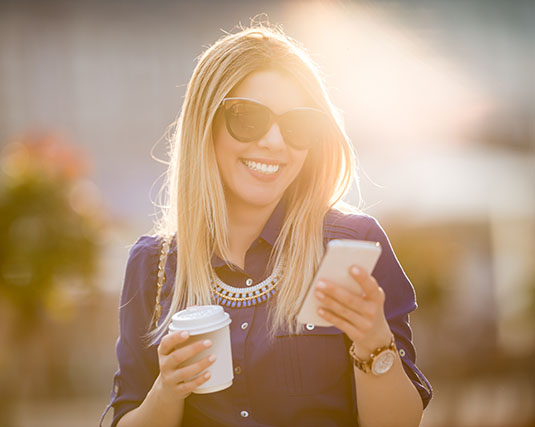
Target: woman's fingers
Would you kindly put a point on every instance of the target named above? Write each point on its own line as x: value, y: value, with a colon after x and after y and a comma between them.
x: 359, y: 315
x: 171, y: 341
x: 367, y: 282
x: 188, y: 372
x: 369, y: 286
x: 356, y: 322
x: 182, y: 354
x: 187, y: 387
x: 180, y: 372
x: 345, y: 325
x: 352, y: 307
x: 346, y: 299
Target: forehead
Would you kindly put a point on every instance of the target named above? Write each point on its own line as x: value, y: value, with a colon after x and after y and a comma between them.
x: 273, y: 88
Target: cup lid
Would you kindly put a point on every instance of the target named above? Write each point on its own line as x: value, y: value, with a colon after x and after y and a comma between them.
x: 200, y: 319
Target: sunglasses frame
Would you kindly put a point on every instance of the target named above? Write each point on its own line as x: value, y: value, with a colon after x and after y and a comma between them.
x: 273, y: 118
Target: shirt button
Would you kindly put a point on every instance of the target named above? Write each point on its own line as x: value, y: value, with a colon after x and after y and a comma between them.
x: 244, y: 325
x: 249, y: 282
x: 310, y: 326
x: 237, y: 370
x: 244, y: 414
x: 402, y: 352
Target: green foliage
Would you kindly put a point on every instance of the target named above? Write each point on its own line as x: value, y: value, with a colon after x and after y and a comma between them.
x: 45, y: 238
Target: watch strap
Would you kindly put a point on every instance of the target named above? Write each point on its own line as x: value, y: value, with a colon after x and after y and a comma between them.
x: 366, y: 365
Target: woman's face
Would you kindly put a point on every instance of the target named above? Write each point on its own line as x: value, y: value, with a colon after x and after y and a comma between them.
x: 257, y: 173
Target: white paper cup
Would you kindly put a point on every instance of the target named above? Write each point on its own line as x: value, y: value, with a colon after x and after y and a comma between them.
x: 208, y: 322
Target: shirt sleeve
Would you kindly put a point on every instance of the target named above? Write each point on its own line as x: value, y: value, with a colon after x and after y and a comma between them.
x: 137, y: 365
x: 400, y: 301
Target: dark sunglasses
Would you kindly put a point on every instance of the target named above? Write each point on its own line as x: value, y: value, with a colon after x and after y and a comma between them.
x: 248, y: 120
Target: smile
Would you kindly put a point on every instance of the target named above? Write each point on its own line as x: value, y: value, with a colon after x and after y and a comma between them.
x: 261, y: 167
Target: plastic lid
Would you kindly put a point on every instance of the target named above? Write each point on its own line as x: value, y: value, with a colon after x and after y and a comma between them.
x: 200, y: 319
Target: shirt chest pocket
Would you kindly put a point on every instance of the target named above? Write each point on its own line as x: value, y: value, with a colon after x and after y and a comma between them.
x: 312, y: 362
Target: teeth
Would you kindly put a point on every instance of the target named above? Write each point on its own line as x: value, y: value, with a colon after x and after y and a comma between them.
x: 261, y: 167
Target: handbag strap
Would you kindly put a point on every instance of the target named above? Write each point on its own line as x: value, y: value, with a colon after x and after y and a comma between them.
x: 164, y: 252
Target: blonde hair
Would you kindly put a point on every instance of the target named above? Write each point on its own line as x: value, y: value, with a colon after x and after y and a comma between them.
x: 194, y: 207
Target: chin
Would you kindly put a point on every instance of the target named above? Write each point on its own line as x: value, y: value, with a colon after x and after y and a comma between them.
x: 260, y: 200
x: 262, y: 203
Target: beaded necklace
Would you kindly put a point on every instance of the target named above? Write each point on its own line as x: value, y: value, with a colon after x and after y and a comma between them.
x: 245, y: 297
x: 225, y: 294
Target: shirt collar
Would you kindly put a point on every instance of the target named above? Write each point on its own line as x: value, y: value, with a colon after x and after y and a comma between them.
x: 269, y: 233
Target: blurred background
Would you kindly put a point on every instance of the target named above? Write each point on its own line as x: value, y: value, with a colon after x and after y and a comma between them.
x: 438, y: 98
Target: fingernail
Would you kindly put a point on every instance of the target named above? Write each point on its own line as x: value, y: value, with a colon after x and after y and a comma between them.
x: 355, y: 270
x: 320, y: 295
x: 321, y: 284
x: 207, y: 343
x: 184, y: 334
x: 212, y: 358
x: 207, y: 375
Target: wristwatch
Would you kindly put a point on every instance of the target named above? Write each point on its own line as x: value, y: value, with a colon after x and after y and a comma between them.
x: 380, y: 361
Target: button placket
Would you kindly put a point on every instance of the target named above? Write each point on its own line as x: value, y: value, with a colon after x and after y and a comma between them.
x: 243, y: 318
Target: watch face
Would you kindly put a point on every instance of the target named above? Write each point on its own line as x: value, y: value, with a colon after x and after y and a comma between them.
x: 383, y: 362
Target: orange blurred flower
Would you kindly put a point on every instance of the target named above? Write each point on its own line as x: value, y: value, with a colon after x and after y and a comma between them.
x: 47, y: 154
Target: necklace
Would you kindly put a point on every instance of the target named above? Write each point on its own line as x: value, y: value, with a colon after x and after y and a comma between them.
x: 245, y: 297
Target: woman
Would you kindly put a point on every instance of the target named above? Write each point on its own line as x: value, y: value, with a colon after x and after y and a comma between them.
x: 258, y: 165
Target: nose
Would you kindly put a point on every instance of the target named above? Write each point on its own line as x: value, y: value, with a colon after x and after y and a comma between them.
x: 272, y: 139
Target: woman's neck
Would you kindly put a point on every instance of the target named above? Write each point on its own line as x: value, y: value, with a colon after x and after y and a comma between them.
x: 244, y: 225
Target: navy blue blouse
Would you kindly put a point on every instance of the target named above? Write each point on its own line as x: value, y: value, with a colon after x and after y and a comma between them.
x: 302, y: 380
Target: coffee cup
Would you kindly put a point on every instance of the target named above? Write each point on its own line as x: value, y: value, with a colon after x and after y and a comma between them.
x: 208, y: 322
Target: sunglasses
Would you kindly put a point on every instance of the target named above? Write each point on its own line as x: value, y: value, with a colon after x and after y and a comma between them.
x: 248, y: 120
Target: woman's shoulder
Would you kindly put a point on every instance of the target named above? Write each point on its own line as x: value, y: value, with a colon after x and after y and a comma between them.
x: 349, y: 224
x: 149, y: 246
x: 142, y: 267
x: 145, y: 243
x: 144, y: 256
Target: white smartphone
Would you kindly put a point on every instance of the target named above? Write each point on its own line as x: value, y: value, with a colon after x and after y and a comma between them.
x: 340, y: 255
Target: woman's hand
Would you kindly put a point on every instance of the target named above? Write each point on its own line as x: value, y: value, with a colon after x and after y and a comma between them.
x: 176, y: 368
x: 360, y: 315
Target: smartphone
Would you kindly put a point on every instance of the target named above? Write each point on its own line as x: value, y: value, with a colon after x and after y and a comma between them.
x: 340, y: 255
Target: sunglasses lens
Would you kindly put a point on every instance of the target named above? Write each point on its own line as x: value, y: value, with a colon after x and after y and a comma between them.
x: 302, y: 128
x: 247, y: 121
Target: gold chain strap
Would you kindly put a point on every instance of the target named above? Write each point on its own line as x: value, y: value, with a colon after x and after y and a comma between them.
x: 161, y: 277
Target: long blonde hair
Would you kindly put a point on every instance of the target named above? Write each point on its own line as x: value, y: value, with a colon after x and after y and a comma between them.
x: 194, y: 206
